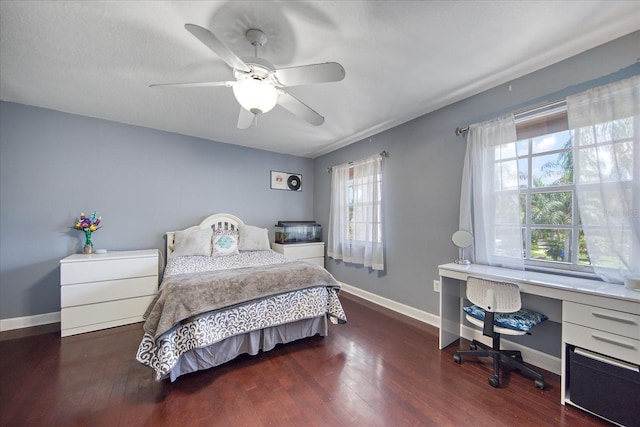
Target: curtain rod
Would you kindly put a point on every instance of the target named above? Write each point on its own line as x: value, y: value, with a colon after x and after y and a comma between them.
x: 527, y: 112
x: 383, y: 153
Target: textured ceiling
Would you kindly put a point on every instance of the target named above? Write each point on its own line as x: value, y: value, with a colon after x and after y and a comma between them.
x: 402, y: 59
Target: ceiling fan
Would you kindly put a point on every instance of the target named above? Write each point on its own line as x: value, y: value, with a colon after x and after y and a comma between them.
x: 259, y: 86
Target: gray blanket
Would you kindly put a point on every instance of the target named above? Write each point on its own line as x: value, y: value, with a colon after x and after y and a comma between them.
x: 185, y: 296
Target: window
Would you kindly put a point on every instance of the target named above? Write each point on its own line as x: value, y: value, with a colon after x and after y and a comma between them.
x: 559, y: 187
x: 355, y: 218
x: 548, y: 175
x: 543, y: 161
x: 364, y: 214
x: 551, y: 232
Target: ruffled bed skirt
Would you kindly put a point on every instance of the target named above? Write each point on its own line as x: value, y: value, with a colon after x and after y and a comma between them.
x: 249, y: 343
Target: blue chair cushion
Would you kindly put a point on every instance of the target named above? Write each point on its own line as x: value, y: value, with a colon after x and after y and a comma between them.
x: 521, y: 320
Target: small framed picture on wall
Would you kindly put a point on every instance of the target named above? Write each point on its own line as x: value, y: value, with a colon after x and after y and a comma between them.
x: 286, y: 181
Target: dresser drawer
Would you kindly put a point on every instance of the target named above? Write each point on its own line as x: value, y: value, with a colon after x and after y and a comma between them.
x: 90, y: 293
x: 311, y: 251
x: 617, y: 346
x: 301, y: 251
x: 318, y: 261
x: 616, y: 322
x: 95, y: 314
x: 107, y: 269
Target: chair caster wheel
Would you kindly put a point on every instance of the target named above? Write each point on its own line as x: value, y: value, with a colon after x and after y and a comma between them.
x: 494, y: 382
x: 457, y: 359
x: 539, y: 384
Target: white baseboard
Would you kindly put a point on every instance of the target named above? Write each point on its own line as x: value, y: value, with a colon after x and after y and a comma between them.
x: 414, y: 313
x: 29, y: 321
x: 534, y: 357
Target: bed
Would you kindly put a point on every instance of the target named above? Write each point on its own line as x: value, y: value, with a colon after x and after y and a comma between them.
x: 225, y: 293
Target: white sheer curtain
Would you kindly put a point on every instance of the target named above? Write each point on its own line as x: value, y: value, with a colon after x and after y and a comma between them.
x: 490, y: 200
x: 355, y: 223
x: 605, y: 123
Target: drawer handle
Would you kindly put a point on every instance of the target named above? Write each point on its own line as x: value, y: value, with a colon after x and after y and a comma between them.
x: 610, y: 341
x: 615, y: 319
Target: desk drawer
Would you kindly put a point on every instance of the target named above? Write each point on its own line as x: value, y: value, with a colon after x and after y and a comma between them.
x: 613, y: 345
x: 616, y: 322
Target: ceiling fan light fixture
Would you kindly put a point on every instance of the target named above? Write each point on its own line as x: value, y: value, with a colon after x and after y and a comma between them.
x: 258, y: 84
x: 255, y: 95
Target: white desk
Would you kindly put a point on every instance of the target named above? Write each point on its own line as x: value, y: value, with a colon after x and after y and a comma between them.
x: 597, y: 316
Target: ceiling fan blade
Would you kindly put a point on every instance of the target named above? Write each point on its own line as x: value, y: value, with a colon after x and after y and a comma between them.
x: 219, y: 48
x: 308, y: 74
x: 245, y: 119
x: 194, y: 84
x: 298, y: 108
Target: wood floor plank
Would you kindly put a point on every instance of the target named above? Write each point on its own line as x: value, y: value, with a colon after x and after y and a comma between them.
x: 377, y: 370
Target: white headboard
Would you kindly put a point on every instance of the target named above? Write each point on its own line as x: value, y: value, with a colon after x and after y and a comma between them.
x: 221, y: 221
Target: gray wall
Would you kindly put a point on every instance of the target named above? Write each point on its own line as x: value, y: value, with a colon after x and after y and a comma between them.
x: 422, y: 175
x: 141, y: 181
x: 145, y: 182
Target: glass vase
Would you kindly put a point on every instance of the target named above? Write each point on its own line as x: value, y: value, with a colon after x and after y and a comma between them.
x: 88, y: 244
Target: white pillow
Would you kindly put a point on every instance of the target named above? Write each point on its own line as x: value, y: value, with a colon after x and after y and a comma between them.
x: 192, y: 243
x: 253, y: 238
x: 225, y: 242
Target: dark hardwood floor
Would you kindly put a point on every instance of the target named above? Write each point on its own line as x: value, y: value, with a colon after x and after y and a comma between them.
x: 377, y: 370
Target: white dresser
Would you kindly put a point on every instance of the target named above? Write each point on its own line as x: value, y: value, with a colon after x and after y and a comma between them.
x: 312, y: 252
x: 100, y: 291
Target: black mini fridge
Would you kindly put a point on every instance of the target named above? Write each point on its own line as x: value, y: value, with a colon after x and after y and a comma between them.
x: 605, y: 386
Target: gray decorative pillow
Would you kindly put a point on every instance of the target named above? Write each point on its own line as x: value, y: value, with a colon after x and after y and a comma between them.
x: 253, y: 238
x: 225, y: 242
x: 192, y: 243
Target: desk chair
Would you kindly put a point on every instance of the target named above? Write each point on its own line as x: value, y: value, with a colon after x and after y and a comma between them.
x: 497, y: 310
